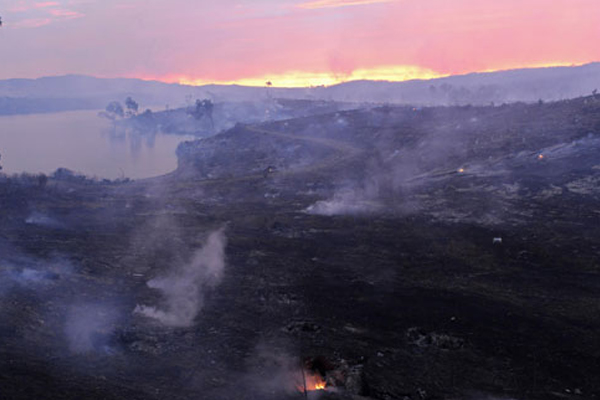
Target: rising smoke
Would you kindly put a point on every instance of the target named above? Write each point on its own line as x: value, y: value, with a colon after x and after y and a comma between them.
x: 273, y: 371
x: 39, y: 219
x: 346, y: 201
x: 184, y: 288
x: 20, y: 270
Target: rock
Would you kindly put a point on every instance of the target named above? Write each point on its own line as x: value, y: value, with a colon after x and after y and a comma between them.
x: 355, y: 383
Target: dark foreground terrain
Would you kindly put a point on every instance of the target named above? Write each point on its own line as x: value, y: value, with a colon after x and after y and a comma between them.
x: 391, y: 253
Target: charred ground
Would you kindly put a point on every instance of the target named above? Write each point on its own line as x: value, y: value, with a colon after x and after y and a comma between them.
x: 360, y: 244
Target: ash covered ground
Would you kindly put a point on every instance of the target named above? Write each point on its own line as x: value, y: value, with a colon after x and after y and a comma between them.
x: 381, y: 253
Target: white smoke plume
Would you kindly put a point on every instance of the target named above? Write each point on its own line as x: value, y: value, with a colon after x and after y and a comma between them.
x: 40, y: 219
x: 185, y: 288
x: 347, y: 201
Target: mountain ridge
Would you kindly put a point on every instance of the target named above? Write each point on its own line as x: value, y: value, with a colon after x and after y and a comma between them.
x: 478, y: 88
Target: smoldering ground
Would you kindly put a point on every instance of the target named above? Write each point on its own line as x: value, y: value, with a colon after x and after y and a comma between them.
x: 19, y: 270
x: 60, y: 307
x: 183, y: 288
x: 273, y: 370
x: 406, y: 156
x: 90, y: 327
x: 347, y: 200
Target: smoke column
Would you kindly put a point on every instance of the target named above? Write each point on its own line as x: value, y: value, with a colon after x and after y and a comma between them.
x: 184, y: 289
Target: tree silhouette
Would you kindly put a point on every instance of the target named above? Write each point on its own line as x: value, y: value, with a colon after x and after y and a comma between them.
x: 132, y: 106
x: 203, y: 109
x: 114, y: 110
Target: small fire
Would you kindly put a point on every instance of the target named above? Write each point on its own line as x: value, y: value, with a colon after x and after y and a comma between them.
x: 312, y: 382
x: 461, y: 170
x: 541, y: 157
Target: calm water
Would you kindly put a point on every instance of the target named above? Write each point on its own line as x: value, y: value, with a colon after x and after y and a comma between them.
x: 85, y: 143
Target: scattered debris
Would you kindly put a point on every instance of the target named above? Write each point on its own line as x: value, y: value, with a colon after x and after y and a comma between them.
x: 416, y: 336
x: 302, y: 327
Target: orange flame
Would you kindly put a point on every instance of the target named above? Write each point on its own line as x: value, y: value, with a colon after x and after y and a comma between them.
x: 313, y: 382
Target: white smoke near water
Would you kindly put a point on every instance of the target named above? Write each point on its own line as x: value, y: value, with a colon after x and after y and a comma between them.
x: 184, y: 289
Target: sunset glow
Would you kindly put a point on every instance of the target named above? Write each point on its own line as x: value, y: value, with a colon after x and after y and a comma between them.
x: 294, y: 43
x: 297, y: 79
x: 309, y: 79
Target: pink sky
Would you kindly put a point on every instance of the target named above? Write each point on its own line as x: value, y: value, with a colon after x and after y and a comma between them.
x: 292, y: 42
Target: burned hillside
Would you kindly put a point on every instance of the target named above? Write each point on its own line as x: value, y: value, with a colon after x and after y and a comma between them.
x: 381, y: 253
x: 430, y: 160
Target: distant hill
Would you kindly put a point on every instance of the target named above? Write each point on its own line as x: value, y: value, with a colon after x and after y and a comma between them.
x: 526, y: 85
x: 102, y: 90
x: 70, y: 92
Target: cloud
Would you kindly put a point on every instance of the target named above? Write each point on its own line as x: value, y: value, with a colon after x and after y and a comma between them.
x: 22, y: 6
x: 34, y: 14
x: 32, y: 23
x: 46, y: 4
x: 312, y: 5
x: 31, y: 14
x: 66, y: 14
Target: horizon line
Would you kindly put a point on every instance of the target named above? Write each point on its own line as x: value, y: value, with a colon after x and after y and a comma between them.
x: 429, y: 76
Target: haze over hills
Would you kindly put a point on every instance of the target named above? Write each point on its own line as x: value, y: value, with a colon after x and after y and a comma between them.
x: 72, y: 92
x: 526, y: 85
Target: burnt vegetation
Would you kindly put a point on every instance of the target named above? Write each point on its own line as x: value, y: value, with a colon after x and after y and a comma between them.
x: 386, y: 252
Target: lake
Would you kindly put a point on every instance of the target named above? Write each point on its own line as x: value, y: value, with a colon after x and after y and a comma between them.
x: 85, y: 143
